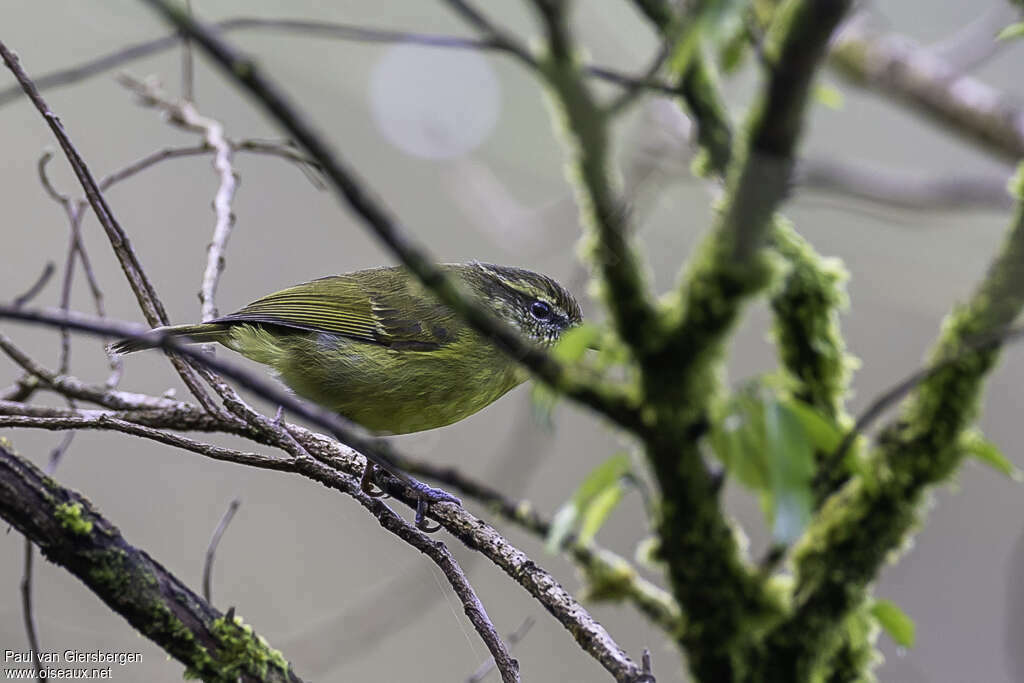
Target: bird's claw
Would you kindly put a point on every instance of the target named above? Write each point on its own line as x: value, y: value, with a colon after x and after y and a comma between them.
x: 422, y: 523
x: 425, y: 495
x: 367, y: 484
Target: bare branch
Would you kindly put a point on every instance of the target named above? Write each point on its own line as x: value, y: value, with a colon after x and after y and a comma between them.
x: 903, y: 189
x: 597, y: 564
x: 922, y: 80
x: 21, y: 390
x: 36, y: 286
x: 27, y: 609
x: 512, y: 639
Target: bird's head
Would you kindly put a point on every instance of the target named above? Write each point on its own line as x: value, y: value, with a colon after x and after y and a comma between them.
x: 535, y: 304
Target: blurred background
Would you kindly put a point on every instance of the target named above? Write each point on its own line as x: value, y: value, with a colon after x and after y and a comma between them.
x: 460, y: 145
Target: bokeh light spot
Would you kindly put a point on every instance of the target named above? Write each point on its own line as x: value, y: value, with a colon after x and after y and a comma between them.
x: 435, y: 104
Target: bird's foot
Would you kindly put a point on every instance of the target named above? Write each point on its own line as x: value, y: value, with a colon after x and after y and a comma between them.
x: 425, y: 495
x: 367, y: 484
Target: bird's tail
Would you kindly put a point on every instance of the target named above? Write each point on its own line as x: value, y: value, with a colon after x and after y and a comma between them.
x: 191, y: 334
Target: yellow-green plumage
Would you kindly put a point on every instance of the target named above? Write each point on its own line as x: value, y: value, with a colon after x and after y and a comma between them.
x: 376, y: 347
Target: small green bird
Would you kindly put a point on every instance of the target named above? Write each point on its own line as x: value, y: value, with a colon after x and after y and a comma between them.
x: 378, y: 348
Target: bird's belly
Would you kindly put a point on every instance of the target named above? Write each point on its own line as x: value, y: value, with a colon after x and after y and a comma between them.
x: 393, y: 391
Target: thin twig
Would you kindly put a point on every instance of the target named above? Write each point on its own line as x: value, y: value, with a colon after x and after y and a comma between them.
x: 21, y: 390
x: 187, y: 65
x: 36, y: 286
x: 319, y: 29
x: 69, y: 386
x: 185, y: 115
x: 634, y: 91
x: 512, y: 639
x: 74, y: 209
x: 151, y: 306
x: 494, y: 35
x: 211, y: 549
x: 27, y: 609
x: 975, y: 42
x: 28, y: 614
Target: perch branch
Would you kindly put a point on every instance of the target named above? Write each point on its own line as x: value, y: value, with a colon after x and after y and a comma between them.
x: 346, y: 465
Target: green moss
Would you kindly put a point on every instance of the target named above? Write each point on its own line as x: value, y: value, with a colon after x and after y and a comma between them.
x: 806, y: 327
x: 241, y: 651
x: 855, y: 657
x: 70, y: 517
x: 1016, y: 183
x: 862, y: 526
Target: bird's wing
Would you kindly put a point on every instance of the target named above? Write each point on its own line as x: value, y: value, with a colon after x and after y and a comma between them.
x: 382, y: 306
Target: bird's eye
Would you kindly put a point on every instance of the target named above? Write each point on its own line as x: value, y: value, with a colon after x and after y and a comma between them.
x: 540, y: 310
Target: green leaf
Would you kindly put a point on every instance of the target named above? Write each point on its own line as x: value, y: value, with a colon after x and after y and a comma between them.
x: 768, y: 446
x: 737, y: 437
x: 824, y: 433
x: 543, y: 401
x: 591, y: 493
x: 791, y: 462
x: 561, y: 526
x: 829, y: 95
x: 598, y: 511
x: 895, y: 621
x: 647, y: 553
x: 601, y: 477
x: 1012, y: 31
x: 575, y: 341
x: 973, y: 443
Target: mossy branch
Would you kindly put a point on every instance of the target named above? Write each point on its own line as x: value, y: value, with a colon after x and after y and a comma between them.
x: 697, y: 89
x: 806, y: 326
x: 725, y: 605
x: 865, y: 522
x: 72, y: 533
x: 584, y: 123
